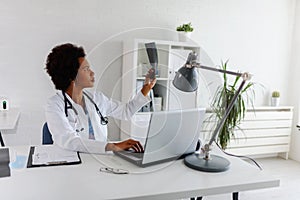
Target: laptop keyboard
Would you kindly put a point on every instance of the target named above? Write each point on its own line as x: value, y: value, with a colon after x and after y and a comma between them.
x: 134, y: 154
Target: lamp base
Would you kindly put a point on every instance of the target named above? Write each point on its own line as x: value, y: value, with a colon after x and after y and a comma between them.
x: 215, y: 164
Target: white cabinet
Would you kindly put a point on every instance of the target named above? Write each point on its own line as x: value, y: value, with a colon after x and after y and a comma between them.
x: 171, y: 56
x: 264, y: 130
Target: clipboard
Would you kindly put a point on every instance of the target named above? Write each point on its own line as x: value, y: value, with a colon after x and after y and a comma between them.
x: 30, y: 163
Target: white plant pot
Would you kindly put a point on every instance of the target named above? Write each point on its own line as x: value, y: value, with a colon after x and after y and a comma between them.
x: 275, y: 101
x: 184, y: 36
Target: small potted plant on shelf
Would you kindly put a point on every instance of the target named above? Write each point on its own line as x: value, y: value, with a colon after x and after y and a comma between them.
x: 184, y: 31
x: 275, y: 98
x: 221, y: 101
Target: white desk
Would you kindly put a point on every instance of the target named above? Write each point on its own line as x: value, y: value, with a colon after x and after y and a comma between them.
x: 165, y: 181
x: 8, y: 120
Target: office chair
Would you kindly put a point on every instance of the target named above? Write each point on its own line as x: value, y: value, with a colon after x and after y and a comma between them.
x: 47, y: 137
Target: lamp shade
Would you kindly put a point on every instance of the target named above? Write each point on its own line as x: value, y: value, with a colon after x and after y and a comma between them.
x: 186, y: 79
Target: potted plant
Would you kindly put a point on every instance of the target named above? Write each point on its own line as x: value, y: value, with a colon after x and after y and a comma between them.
x: 221, y: 101
x: 275, y: 98
x: 184, y: 31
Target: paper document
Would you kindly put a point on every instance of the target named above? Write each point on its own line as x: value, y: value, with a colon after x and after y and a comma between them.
x: 51, y: 154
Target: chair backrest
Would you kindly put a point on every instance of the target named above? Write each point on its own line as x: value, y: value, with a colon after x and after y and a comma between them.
x: 47, y: 137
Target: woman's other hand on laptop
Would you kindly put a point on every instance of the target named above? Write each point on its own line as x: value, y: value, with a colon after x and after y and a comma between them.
x: 126, y: 145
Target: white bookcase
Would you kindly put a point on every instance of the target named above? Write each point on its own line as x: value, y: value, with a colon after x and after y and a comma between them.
x: 171, y: 56
x: 264, y: 130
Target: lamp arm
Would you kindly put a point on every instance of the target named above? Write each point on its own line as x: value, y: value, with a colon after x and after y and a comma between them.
x: 245, y: 76
x: 227, y: 112
x: 219, y: 70
x: 192, y: 62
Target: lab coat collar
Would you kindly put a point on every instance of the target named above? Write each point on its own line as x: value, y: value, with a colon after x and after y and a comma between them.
x: 59, y: 93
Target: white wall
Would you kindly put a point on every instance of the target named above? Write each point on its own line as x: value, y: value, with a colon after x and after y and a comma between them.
x: 254, y: 34
x: 294, y: 83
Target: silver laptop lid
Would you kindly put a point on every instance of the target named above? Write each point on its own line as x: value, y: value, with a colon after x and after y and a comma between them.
x: 172, y: 134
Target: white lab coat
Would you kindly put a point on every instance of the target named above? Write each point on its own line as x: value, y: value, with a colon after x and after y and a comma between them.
x: 63, y: 129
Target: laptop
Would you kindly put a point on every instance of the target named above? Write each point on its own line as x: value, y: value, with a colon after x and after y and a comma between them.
x: 170, y: 135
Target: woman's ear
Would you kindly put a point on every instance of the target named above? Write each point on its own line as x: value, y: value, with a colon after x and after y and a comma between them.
x: 72, y: 83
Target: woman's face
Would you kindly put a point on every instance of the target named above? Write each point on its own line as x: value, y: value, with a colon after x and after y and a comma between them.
x: 85, y: 76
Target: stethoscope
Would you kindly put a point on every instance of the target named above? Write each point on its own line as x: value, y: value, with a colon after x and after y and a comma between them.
x: 68, y: 105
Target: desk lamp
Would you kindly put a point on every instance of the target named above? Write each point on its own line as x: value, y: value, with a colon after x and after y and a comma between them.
x: 186, y: 79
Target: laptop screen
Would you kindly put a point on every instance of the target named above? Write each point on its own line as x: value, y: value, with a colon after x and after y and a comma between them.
x: 172, y: 133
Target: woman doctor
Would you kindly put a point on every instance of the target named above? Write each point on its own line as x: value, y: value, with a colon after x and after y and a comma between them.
x: 77, y: 119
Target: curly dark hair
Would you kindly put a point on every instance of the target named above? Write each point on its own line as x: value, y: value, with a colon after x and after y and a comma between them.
x: 63, y: 63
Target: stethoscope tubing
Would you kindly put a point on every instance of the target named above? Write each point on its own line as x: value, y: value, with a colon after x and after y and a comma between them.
x: 68, y: 105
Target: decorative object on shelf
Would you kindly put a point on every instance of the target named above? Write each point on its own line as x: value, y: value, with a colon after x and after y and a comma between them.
x: 275, y: 100
x: 184, y: 32
x: 4, y: 103
x: 186, y: 80
x: 221, y: 101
